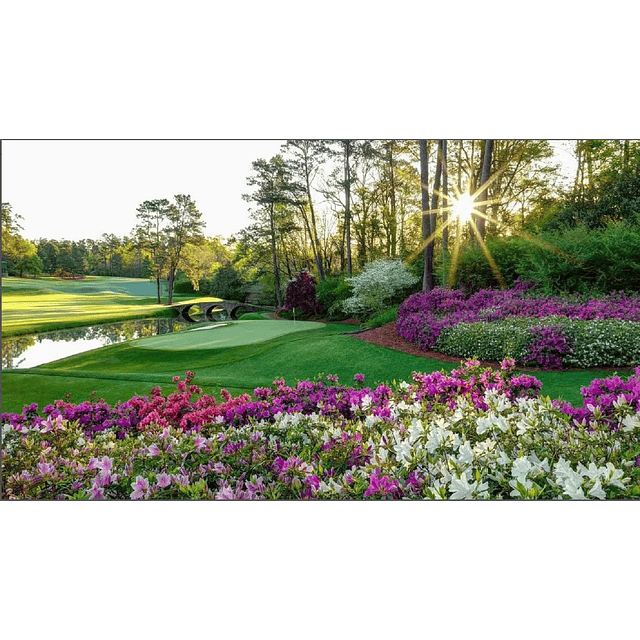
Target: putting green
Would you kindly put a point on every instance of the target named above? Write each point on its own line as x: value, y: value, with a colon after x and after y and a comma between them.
x: 241, y: 332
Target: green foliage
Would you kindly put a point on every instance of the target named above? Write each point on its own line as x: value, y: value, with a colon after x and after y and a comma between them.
x: 489, y: 341
x: 183, y: 286
x: 613, y: 197
x: 603, y: 343
x: 294, y: 314
x: 512, y: 256
x: 331, y: 292
x: 383, y: 317
x: 226, y: 284
x: 571, y: 260
x: 587, y: 260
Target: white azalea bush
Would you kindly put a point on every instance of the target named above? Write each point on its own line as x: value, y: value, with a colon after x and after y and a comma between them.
x: 580, y: 344
x: 377, y: 287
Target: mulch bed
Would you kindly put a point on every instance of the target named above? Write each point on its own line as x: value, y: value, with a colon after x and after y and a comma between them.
x: 386, y: 336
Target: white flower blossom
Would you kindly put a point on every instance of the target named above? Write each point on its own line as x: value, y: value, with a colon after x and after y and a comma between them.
x: 596, y: 491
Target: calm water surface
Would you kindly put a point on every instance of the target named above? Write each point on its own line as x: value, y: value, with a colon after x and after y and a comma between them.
x: 22, y: 352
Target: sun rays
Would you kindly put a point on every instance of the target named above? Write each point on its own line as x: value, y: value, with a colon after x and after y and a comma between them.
x: 462, y: 210
x: 459, y: 213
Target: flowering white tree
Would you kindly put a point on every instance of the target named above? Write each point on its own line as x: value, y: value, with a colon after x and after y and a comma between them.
x: 376, y: 286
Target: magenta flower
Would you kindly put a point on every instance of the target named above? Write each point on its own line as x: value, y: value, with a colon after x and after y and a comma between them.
x: 226, y: 493
x: 359, y: 377
x: 103, y: 478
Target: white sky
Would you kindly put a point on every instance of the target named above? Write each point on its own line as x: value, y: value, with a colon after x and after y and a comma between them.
x: 82, y: 189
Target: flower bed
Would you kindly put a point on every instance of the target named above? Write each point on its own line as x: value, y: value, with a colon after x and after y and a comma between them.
x: 476, y: 433
x: 546, y: 332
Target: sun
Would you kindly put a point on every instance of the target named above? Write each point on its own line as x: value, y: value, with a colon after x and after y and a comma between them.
x: 463, y: 207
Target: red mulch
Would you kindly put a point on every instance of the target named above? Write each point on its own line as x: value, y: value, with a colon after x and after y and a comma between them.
x: 386, y: 336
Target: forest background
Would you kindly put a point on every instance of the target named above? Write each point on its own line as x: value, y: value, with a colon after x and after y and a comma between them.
x: 332, y: 206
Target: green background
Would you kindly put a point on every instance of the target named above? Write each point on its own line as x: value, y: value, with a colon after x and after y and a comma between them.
x: 278, y: 70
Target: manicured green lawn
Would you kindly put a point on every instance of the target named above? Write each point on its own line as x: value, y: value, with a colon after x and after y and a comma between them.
x: 46, y: 304
x: 239, y: 356
x: 119, y: 371
x: 294, y: 353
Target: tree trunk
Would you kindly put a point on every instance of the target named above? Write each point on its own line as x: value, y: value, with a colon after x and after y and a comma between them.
x: 393, y: 223
x: 445, y: 214
x: 172, y: 276
x: 347, y: 213
x: 315, y: 242
x: 158, y: 288
x: 274, y: 255
x: 625, y: 156
x: 486, y: 170
x: 579, y: 181
x: 427, y: 278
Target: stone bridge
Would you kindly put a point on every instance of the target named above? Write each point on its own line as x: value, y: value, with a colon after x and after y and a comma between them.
x: 231, y: 307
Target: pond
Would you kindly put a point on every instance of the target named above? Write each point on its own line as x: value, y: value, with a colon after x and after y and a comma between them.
x: 22, y: 352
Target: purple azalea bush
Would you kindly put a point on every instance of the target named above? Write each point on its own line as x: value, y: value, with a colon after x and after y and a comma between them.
x: 423, y: 316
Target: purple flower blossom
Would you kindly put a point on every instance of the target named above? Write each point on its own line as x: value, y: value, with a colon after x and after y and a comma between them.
x: 163, y: 480
x: 97, y: 493
x: 140, y: 488
x: 153, y: 450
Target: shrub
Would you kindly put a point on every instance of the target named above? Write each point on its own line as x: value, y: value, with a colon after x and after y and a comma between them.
x: 301, y: 294
x: 512, y: 256
x: 567, y: 260
x: 183, y: 286
x: 441, y: 314
x: 380, y: 284
x: 589, y: 261
x: 548, y: 346
x: 226, y: 284
x: 383, y: 317
x: 550, y: 343
x: 603, y: 343
x: 331, y: 292
x: 489, y: 341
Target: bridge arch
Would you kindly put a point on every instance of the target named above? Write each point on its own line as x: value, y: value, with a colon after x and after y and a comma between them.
x: 230, y: 306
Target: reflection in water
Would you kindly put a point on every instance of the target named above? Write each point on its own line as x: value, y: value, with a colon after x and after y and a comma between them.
x: 21, y: 352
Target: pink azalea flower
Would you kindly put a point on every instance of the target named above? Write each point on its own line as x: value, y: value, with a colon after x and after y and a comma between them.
x: 225, y: 494
x: 105, y: 463
x: 97, y: 493
x: 141, y: 487
x: 94, y: 463
x: 153, y: 450
x: 200, y: 443
x: 45, y: 468
x: 180, y: 479
x: 164, y: 480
